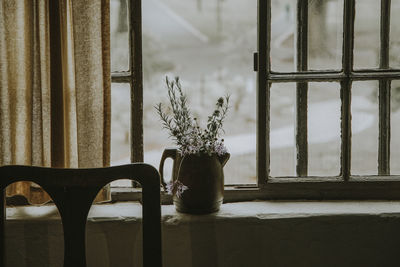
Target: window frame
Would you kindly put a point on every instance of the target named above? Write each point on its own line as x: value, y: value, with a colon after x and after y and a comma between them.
x: 134, y: 77
x: 302, y: 186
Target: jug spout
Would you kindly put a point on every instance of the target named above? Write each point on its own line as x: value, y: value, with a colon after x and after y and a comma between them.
x: 224, y: 158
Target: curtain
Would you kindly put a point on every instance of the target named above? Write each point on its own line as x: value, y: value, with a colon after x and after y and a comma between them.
x: 54, y: 87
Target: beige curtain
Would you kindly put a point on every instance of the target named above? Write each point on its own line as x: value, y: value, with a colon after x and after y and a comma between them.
x: 54, y: 110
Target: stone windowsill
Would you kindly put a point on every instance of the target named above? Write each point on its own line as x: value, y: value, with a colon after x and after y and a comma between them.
x: 259, y: 210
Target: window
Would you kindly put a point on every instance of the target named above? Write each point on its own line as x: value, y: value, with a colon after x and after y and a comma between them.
x: 337, y: 102
x: 198, y: 41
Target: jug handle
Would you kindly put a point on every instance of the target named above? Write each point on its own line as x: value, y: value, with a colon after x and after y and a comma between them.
x: 168, y: 153
x: 224, y: 158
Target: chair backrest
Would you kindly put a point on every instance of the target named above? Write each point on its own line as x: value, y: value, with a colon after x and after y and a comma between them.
x: 73, y: 192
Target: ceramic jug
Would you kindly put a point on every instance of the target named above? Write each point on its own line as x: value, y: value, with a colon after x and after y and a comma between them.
x: 202, y: 174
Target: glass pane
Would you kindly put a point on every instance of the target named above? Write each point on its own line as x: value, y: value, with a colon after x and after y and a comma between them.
x: 395, y: 128
x: 119, y: 35
x: 209, y: 44
x: 325, y: 34
x: 120, y: 125
x: 283, y: 26
x: 365, y: 128
x: 282, y: 129
x: 394, y: 49
x: 324, y: 129
x: 366, y: 34
x: 325, y: 26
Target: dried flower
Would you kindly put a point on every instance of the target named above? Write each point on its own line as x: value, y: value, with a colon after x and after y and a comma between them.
x: 220, y: 102
x: 185, y: 130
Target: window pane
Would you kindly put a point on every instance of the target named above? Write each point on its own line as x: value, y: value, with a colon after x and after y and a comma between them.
x: 119, y: 35
x: 324, y: 129
x: 395, y: 127
x: 283, y: 26
x: 395, y: 34
x: 120, y: 124
x: 209, y: 44
x: 325, y: 27
x: 325, y: 34
x: 366, y: 34
x: 365, y: 131
x: 282, y: 129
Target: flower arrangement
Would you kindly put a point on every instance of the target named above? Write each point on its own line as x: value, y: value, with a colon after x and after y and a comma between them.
x: 184, y: 128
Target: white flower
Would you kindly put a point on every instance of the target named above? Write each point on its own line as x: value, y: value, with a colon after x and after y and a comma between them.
x: 176, y: 187
x: 180, y: 188
x: 169, y: 188
x: 220, y: 148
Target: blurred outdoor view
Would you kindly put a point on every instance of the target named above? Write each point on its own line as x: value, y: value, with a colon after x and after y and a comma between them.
x: 209, y: 44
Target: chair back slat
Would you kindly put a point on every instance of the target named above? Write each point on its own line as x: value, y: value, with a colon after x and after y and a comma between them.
x: 73, y: 192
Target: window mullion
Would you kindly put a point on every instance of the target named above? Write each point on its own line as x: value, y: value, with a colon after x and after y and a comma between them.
x: 345, y: 88
x: 263, y: 95
x: 136, y: 80
x: 384, y: 93
x: 302, y: 89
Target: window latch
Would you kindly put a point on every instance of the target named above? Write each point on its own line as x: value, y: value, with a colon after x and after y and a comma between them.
x: 255, y: 61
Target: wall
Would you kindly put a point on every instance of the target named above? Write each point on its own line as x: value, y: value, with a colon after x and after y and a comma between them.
x: 241, y: 234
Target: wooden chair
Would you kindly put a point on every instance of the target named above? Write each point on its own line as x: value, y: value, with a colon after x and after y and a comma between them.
x: 73, y: 192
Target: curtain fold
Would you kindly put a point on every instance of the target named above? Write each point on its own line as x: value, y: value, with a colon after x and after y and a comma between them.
x: 33, y: 125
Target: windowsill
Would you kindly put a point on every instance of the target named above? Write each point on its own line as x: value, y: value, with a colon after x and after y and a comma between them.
x: 260, y: 210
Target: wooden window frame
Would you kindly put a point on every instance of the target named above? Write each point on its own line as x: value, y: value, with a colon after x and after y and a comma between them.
x: 134, y: 77
x: 302, y: 186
